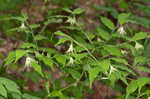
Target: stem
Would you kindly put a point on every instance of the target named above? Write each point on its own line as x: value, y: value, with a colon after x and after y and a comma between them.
x: 32, y: 33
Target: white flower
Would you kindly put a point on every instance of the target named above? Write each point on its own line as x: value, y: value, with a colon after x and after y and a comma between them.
x: 104, y: 78
x: 124, y: 52
x: 28, y: 62
x: 71, y: 20
x: 71, y: 61
x: 22, y: 25
x: 112, y: 69
x: 138, y: 46
x: 70, y: 48
x: 121, y: 31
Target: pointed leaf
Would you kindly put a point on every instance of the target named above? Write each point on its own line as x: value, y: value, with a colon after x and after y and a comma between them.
x: 102, y: 33
x: 10, y: 58
x: 104, y: 64
x: 75, y: 74
x: 120, y: 60
x: 93, y: 72
x: 142, y: 81
x: 113, y: 50
x: 10, y: 85
x: 28, y: 96
x: 56, y: 93
x: 63, y: 35
x: 3, y: 91
x: 123, y: 18
x: 40, y: 37
x: 78, y: 11
x: 131, y: 88
x: 144, y: 69
x: 37, y: 67
x: 61, y: 41
x: 19, y: 54
x: 48, y: 62
x: 107, y: 22
x: 28, y: 45
x: 67, y: 10
x: 139, y: 36
x: 61, y: 59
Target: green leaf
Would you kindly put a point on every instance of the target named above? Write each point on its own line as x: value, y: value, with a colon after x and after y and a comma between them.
x: 113, y: 50
x: 28, y: 45
x: 47, y: 60
x: 75, y: 74
x: 15, y: 96
x: 131, y: 88
x: 37, y: 67
x: 19, y: 54
x: 61, y: 41
x: 10, y: 58
x: 78, y: 11
x: 64, y: 97
x: 102, y: 33
x: 67, y: 10
x: 79, y: 56
x: 107, y: 22
x: 123, y: 18
x: 34, y: 26
x: 140, y: 60
x: 3, y: 91
x: 10, y: 85
x: 144, y: 69
x: 56, y: 93
x: 141, y: 82
x: 104, y: 64
x: 64, y: 35
x: 28, y: 96
x: 120, y: 60
x: 111, y: 10
x: 114, y: 77
x: 61, y: 59
x: 40, y: 37
x: 123, y: 77
x: 93, y: 72
x: 125, y: 68
x: 139, y: 36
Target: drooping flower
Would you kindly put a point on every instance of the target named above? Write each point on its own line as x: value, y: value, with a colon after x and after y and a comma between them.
x: 121, y: 30
x: 71, y: 61
x: 71, y: 20
x: 124, y: 52
x: 70, y: 48
x: 22, y: 25
x: 138, y: 46
x: 28, y: 62
x: 112, y: 69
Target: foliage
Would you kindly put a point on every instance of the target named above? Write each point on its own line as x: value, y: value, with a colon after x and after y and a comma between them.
x: 111, y: 53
